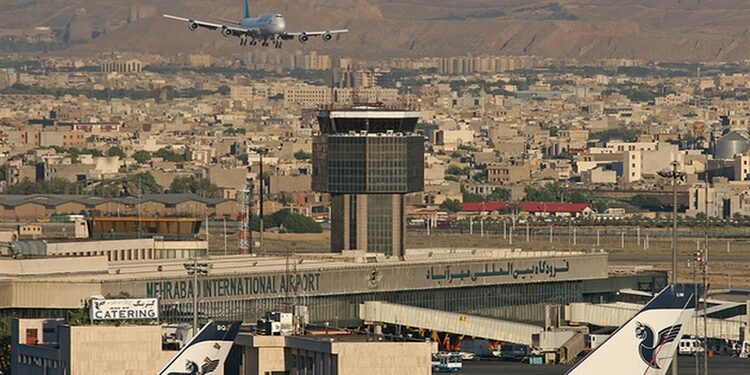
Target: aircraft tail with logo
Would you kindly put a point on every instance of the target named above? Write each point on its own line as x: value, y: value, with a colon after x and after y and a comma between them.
x: 246, y: 9
x: 206, y: 351
x: 645, y: 344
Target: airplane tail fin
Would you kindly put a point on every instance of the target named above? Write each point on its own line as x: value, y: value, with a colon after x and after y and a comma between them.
x: 645, y: 344
x: 246, y: 9
x: 206, y: 351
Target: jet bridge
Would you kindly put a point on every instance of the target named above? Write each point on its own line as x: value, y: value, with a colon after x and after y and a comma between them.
x: 470, y: 325
x: 616, y: 314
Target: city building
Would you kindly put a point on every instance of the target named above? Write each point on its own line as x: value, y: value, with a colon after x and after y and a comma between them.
x: 334, y: 354
x: 52, y: 347
x: 368, y: 158
x: 117, y: 66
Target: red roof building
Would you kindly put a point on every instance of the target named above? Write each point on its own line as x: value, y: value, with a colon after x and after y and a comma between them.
x: 555, y: 208
x: 483, y: 206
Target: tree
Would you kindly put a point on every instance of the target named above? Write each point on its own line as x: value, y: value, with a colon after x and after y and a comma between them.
x: 142, y: 156
x: 600, y: 205
x: 54, y: 186
x: 451, y: 205
x: 499, y: 195
x: 116, y: 151
x: 140, y: 183
x: 285, y: 198
x: 457, y: 171
x: 471, y: 197
x: 648, y: 202
x: 168, y: 155
x: 190, y: 185
x: 550, y: 192
x: 301, y: 155
x: 5, y: 344
x: 290, y: 221
x: 577, y: 197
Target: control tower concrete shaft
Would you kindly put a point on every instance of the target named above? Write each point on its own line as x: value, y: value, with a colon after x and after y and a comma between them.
x: 368, y: 158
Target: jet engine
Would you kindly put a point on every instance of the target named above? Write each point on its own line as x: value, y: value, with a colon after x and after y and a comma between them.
x: 227, y: 32
x: 303, y: 38
x: 327, y: 36
x: 192, y: 26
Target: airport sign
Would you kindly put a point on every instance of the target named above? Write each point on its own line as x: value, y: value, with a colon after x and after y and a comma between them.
x: 124, y: 309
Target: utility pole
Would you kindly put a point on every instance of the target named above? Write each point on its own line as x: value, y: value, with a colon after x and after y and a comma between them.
x: 696, y: 262
x: 705, y: 310
x: 196, y: 269
x: 261, y: 152
x: 674, y: 175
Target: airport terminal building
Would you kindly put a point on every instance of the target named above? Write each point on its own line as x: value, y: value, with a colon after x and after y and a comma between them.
x: 502, y: 283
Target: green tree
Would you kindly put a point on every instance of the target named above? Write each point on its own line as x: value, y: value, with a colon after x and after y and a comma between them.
x: 550, y: 192
x: 142, y: 156
x: 648, y: 202
x: 139, y: 183
x: 457, y: 171
x: 471, y: 197
x: 54, y: 186
x: 168, y: 155
x: 499, y: 195
x: 5, y: 343
x: 285, y: 198
x: 190, y: 185
x: 577, y: 197
x: 291, y: 222
x: 301, y: 155
x: 600, y: 205
x: 451, y: 205
x: 116, y: 151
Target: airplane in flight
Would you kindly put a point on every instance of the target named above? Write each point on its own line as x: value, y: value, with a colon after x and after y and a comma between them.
x: 645, y: 344
x: 206, y: 351
x: 266, y: 29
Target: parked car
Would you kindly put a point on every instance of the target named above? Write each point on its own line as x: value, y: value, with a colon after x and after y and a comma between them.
x: 514, y: 352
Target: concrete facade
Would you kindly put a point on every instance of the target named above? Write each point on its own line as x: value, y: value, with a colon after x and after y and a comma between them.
x: 237, y: 283
x: 334, y: 355
x: 50, y: 347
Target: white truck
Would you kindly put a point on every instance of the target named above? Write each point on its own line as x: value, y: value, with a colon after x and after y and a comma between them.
x: 690, y: 346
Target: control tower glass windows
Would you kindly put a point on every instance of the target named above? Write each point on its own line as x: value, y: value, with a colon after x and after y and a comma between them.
x: 380, y: 223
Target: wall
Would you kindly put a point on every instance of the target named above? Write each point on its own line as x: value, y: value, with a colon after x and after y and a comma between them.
x: 384, y: 358
x: 127, y: 350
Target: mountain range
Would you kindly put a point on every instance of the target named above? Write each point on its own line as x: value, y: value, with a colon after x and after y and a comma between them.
x: 663, y: 30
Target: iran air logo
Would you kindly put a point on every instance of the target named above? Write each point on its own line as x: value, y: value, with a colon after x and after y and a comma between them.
x: 651, y: 344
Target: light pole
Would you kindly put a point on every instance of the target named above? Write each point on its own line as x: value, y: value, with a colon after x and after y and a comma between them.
x: 674, y: 175
x: 196, y: 269
x: 260, y: 151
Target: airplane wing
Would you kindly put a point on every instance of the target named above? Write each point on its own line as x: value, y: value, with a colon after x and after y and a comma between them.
x: 226, y: 30
x: 224, y: 20
x: 304, y: 36
x: 316, y: 33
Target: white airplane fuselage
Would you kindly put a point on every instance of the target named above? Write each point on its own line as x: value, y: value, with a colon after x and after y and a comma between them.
x: 266, y: 26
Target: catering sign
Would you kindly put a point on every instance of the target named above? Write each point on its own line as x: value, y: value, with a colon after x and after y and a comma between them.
x: 124, y: 309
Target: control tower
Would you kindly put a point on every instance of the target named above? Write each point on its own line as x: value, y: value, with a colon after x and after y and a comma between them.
x: 368, y: 158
